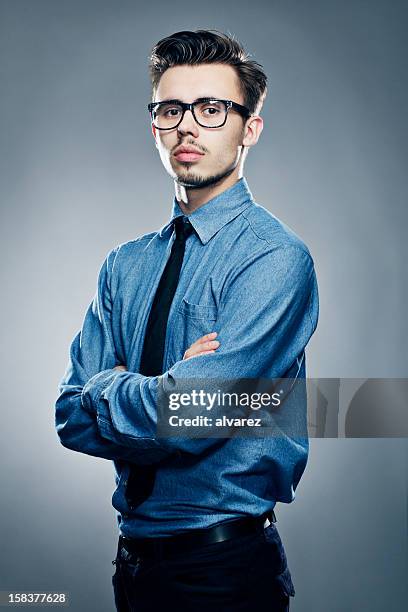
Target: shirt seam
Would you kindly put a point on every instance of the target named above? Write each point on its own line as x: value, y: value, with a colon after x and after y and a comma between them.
x: 268, y: 240
x: 267, y: 248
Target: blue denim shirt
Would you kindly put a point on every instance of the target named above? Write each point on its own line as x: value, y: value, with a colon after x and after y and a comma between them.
x: 245, y: 275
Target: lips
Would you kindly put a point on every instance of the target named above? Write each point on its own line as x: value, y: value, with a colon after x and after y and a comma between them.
x: 187, y: 154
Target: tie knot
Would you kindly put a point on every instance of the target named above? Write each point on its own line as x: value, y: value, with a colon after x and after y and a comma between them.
x: 183, y: 228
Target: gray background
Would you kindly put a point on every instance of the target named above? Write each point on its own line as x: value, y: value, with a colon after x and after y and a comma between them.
x: 80, y: 175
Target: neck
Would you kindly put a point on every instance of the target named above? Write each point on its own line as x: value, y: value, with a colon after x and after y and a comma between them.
x: 190, y: 200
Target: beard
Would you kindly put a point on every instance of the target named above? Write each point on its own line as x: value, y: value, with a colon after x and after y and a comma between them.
x: 195, y: 181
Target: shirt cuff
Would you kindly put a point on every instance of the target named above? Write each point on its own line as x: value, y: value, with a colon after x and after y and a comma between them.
x: 93, y: 389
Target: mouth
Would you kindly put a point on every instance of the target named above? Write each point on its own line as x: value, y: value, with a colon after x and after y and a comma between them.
x: 185, y: 156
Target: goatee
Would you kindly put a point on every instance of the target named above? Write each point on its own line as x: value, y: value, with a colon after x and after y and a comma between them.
x: 195, y: 181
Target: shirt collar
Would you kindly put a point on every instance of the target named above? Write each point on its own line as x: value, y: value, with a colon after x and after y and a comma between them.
x: 217, y: 212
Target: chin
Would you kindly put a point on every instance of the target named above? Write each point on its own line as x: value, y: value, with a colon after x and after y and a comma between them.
x: 191, y: 180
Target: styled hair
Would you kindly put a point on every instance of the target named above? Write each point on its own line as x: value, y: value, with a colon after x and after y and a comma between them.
x: 210, y: 47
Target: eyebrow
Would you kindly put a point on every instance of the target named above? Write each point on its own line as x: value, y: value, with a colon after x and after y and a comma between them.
x: 202, y: 99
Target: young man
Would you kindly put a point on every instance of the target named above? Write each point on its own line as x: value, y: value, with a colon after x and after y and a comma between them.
x: 224, y: 290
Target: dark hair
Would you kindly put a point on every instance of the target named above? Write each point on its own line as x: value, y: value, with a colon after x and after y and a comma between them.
x: 210, y: 47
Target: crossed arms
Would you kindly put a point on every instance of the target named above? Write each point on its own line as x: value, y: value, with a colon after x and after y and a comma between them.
x: 267, y: 315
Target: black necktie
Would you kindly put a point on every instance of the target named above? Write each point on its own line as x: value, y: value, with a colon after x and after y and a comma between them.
x: 151, y: 363
x: 141, y: 478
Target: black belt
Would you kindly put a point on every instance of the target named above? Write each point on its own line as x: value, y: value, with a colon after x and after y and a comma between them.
x: 195, y: 538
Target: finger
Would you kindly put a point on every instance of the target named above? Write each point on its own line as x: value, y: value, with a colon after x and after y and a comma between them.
x: 205, y: 338
x: 201, y: 353
x: 209, y: 336
x: 199, y: 348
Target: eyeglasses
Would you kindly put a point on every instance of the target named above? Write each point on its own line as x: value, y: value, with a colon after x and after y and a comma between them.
x: 207, y: 112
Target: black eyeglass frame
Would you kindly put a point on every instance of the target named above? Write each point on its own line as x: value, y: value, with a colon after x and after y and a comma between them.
x: 242, y: 110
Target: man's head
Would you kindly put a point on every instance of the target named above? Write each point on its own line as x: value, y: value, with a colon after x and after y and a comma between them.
x: 187, y: 66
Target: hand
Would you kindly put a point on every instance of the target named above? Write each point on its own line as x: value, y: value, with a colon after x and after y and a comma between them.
x: 202, y: 346
x: 122, y: 368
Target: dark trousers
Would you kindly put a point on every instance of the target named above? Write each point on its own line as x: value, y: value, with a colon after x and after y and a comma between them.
x: 246, y: 573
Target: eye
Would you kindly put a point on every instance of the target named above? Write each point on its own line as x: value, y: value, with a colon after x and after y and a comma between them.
x: 168, y: 110
x: 171, y: 112
x: 212, y: 110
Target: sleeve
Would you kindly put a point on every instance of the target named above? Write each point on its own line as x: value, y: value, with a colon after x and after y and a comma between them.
x: 268, y: 313
x: 92, y: 359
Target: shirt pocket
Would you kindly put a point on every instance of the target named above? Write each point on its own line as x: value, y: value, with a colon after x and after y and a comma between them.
x: 206, y: 312
x: 191, y: 321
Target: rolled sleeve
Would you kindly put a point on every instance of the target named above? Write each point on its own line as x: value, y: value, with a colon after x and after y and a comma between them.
x: 89, y: 371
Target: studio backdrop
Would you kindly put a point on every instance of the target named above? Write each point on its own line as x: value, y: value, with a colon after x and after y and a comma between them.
x: 80, y: 174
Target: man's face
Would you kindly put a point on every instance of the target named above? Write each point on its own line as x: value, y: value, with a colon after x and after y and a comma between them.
x: 220, y: 147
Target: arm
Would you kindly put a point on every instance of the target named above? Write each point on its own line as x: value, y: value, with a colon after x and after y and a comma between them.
x: 92, y: 357
x: 268, y: 313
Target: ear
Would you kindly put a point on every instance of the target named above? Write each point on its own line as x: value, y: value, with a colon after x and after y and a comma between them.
x: 252, y: 131
x: 154, y: 132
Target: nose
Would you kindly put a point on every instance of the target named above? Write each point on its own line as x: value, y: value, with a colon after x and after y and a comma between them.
x: 188, y: 125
